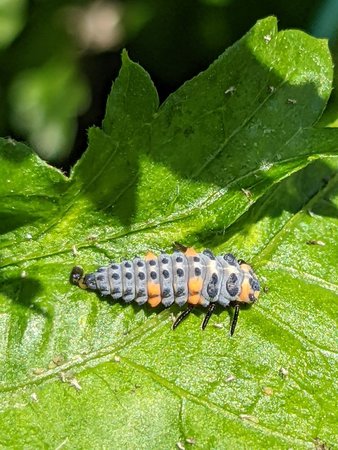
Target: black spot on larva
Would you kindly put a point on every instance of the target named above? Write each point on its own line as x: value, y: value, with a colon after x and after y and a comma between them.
x: 231, y: 285
x: 100, y: 278
x: 229, y: 258
x: 165, y: 274
x: 179, y: 292
x: 127, y: 264
x: 152, y: 262
x: 196, y: 259
x: 101, y: 269
x: 180, y: 272
x: 211, y: 288
x: 179, y: 259
x: 197, y: 271
x: 209, y: 253
x: 254, y: 284
x: 141, y: 293
x: 140, y: 263
x: 128, y: 291
x: 114, y: 266
x: 129, y: 275
x: 153, y: 275
x: 116, y: 291
x: 232, y: 278
x: 141, y: 276
x: 115, y: 276
x: 233, y: 291
x: 165, y: 260
x: 166, y: 292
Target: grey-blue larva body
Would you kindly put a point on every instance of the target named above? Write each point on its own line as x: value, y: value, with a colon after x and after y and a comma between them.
x: 182, y: 277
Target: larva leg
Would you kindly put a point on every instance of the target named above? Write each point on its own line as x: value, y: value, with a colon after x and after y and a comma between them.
x: 211, y: 309
x: 234, y: 320
x: 182, y: 316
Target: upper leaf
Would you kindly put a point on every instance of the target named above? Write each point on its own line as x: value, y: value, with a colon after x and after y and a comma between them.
x: 187, y: 171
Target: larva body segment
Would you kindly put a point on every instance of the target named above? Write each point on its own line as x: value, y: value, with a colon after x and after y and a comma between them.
x: 180, y: 283
x: 167, y: 287
x: 140, y: 276
x: 183, y: 277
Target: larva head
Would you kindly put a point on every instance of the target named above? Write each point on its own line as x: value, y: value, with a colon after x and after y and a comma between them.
x: 250, y: 286
x: 77, y: 277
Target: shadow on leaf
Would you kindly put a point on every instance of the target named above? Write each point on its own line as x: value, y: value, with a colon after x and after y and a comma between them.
x: 240, y: 126
x: 24, y: 292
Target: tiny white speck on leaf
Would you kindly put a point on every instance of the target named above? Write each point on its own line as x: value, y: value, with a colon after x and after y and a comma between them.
x: 284, y: 373
x: 265, y: 165
x: 73, y: 382
x: 230, y: 378
x: 34, y: 397
x: 249, y: 417
x: 315, y: 242
x: 63, y: 377
x: 231, y: 90
x: 312, y: 214
x: 247, y: 193
x: 11, y: 141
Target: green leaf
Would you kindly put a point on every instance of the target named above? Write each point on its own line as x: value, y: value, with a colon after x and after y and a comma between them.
x: 204, y: 168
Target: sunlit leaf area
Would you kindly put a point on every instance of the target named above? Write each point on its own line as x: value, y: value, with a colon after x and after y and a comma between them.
x: 141, y: 125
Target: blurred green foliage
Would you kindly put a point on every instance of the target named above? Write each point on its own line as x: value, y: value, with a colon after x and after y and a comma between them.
x: 58, y: 57
x: 12, y: 19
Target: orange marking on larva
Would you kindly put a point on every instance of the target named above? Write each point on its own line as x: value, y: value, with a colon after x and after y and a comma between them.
x: 154, y: 290
x: 194, y: 299
x: 245, y: 267
x: 244, y: 295
x: 195, y: 285
x: 154, y: 301
x: 190, y: 251
x: 150, y: 255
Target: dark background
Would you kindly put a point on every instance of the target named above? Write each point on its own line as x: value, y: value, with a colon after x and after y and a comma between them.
x: 58, y: 58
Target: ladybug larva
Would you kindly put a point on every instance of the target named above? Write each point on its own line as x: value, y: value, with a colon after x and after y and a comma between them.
x: 185, y: 277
